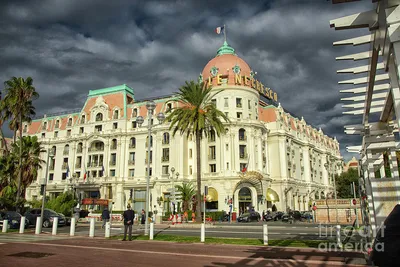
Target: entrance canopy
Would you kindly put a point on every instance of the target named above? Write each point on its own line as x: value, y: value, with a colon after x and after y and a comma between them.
x: 272, y: 195
x: 253, y: 178
x: 212, y: 195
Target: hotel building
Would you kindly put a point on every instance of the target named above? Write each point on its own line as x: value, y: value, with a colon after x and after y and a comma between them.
x: 289, y: 163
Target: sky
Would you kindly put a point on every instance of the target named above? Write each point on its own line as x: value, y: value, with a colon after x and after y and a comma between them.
x: 71, y: 47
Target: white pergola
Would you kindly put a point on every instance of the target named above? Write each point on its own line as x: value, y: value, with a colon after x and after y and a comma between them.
x: 377, y: 92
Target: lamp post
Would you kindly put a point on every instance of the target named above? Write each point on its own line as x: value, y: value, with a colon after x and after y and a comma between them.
x: 173, y: 188
x: 44, y: 184
x: 150, y: 105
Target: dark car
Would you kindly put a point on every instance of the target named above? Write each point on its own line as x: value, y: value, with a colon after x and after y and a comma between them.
x: 268, y: 217
x: 296, y: 215
x: 249, y: 217
x: 14, y: 219
x: 48, y: 217
x: 386, y: 246
x: 277, y: 215
x: 306, y: 215
x: 65, y: 218
x: 285, y: 217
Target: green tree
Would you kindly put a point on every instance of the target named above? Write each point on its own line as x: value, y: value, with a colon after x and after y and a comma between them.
x: 196, y: 115
x: 187, y: 191
x: 17, y: 105
x: 343, y: 182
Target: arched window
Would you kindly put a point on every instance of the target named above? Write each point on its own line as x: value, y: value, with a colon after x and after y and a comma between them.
x: 25, y: 128
x: 97, y: 146
x: 135, y: 112
x: 99, y: 117
x: 83, y: 119
x: 69, y: 122
x: 57, y: 123
x: 116, y: 115
x: 44, y: 127
x: 211, y: 136
x: 132, y: 142
x: 242, y: 134
x: 54, y: 150
x: 322, y: 195
x: 166, y: 138
x: 79, y: 148
x: 66, y: 150
x: 114, y: 144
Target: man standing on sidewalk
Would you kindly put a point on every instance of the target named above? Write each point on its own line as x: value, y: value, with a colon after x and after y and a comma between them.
x: 128, y: 215
x: 105, y: 216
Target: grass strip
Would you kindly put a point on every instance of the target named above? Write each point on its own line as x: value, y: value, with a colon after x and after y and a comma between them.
x: 231, y: 241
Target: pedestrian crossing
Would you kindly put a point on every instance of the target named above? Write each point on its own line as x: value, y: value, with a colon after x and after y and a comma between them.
x: 26, y: 238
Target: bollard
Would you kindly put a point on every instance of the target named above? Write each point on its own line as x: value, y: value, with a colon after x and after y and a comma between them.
x: 265, y: 231
x: 92, y: 225
x: 203, y: 233
x: 151, y: 231
x: 338, y: 236
x: 22, y: 225
x: 72, y: 226
x: 5, y: 226
x: 107, y: 233
x: 38, y: 228
x: 55, y: 225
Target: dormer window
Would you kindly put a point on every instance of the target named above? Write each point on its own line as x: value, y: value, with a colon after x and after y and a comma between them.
x: 134, y: 112
x: 57, y: 124
x: 116, y: 115
x: 44, y: 127
x: 69, y: 122
x: 99, y: 117
x: 25, y: 128
x: 83, y: 119
x: 169, y: 107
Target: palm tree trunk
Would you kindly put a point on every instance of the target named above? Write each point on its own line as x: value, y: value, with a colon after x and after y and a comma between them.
x: 20, y: 164
x: 3, y: 140
x: 198, y: 194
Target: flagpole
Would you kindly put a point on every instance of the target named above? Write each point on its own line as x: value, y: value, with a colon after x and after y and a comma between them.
x: 225, y: 32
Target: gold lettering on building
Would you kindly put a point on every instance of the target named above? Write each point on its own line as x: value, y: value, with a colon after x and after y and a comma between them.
x: 275, y: 96
x: 219, y: 79
x: 238, y: 79
x: 246, y: 80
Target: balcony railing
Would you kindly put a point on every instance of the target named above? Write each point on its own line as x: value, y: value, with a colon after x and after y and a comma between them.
x: 211, y: 139
x: 51, y: 167
x: 92, y: 149
x: 69, y: 124
x: 113, y: 147
x: 145, y: 161
x: 242, y: 137
x: 165, y: 141
x: 243, y: 156
x: 164, y: 159
x: 239, y: 105
x: 131, y: 162
x: 132, y: 145
x: 78, y: 165
x: 113, y: 163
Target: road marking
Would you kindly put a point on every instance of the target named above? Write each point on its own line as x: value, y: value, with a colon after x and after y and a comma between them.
x: 2, y: 243
x: 193, y: 255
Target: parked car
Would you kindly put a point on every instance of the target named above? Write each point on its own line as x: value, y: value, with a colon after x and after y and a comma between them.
x: 277, y: 215
x: 306, y: 215
x: 285, y: 217
x: 249, y: 217
x: 268, y: 217
x: 14, y: 219
x: 66, y: 219
x: 48, y: 217
x: 296, y: 215
x: 386, y: 246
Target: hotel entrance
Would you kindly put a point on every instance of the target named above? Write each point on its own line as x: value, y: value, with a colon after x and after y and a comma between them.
x: 245, y: 200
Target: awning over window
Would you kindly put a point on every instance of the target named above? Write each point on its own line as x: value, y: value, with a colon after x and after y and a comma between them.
x: 272, y: 195
x: 212, y: 195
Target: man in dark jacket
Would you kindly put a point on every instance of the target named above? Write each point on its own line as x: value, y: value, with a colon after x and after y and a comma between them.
x: 128, y: 215
x: 105, y: 216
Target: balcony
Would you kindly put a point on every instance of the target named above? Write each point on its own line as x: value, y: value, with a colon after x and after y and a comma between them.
x: 243, y: 156
x: 94, y: 149
x: 165, y: 159
x: 239, y: 105
x: 289, y: 164
x: 145, y: 161
x: 302, y: 168
x: 212, y: 157
x: 51, y: 167
x: 78, y: 165
x: 211, y: 139
x: 113, y: 162
x: 132, y: 145
x: 131, y: 162
x: 66, y: 152
x: 43, y: 128
x: 113, y: 147
x: 69, y: 124
x: 165, y: 142
x: 242, y: 137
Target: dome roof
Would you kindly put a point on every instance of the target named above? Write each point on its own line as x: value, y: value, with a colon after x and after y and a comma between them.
x: 224, y: 63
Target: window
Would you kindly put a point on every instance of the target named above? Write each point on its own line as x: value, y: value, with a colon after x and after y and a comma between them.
x: 165, y: 138
x: 150, y: 174
x: 227, y: 114
x: 68, y: 132
x: 83, y: 119
x: 69, y: 122
x: 238, y: 102
x: 131, y: 158
x: 190, y: 170
x: 211, y: 137
x: 242, y: 134
x: 190, y: 153
x: 134, y: 124
x: 226, y: 147
x: 165, y: 155
x: 132, y: 142
x: 226, y: 103
x: 243, y: 167
x: 147, y: 156
x: 25, y: 128
x: 98, y: 128
x: 114, y: 144
x: 134, y: 112
x: 80, y: 147
x: 239, y: 115
x: 44, y: 127
x: 64, y: 176
x: 99, y: 117
x: 51, y: 176
x: 249, y: 104
x: 131, y: 172
x: 113, y: 159
x: 115, y: 125
x: 165, y: 169
x: 43, y: 135
x: 55, y: 134
x: 81, y: 130
x: 213, y: 167
x: 57, y: 124
x: 242, y: 152
x: 66, y: 150
x: 78, y: 174
x: 151, y: 141
x: 211, y: 153
x: 227, y: 166
x: 116, y: 115
x: 152, y: 122
x: 169, y: 107
x: 112, y: 173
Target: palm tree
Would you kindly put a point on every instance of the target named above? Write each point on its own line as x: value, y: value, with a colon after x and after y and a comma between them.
x: 187, y: 191
x: 196, y: 115
x: 2, y: 119
x: 19, y: 96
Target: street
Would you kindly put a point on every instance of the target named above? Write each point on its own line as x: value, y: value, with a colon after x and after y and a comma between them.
x: 78, y: 251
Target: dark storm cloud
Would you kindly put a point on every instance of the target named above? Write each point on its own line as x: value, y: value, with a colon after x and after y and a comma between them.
x: 71, y: 47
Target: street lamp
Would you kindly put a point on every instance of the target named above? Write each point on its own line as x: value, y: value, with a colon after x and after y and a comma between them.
x: 50, y: 155
x: 173, y: 188
x: 150, y: 105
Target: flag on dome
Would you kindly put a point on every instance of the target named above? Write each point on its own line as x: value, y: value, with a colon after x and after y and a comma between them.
x: 219, y: 30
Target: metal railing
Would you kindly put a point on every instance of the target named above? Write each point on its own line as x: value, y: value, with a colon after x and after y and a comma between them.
x: 164, y: 159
